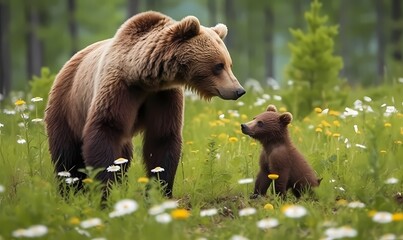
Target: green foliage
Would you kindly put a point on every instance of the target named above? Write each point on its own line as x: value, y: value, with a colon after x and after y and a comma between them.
x: 313, y: 67
x: 40, y: 86
x: 215, y: 156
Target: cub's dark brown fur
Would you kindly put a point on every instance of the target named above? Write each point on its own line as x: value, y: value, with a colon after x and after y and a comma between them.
x: 279, y: 155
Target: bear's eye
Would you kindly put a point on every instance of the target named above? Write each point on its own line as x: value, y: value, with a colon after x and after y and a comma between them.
x: 218, y: 68
x: 260, y: 124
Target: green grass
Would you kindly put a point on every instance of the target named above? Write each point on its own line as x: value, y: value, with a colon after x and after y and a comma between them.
x: 215, y: 156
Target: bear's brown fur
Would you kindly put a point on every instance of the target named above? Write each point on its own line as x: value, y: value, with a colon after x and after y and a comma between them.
x: 131, y: 83
x: 279, y: 156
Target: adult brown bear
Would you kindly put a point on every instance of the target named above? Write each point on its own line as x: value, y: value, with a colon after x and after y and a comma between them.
x: 131, y: 83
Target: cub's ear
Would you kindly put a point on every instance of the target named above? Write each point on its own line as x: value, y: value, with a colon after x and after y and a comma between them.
x: 186, y: 28
x: 271, y: 108
x: 221, y: 30
x: 285, y: 118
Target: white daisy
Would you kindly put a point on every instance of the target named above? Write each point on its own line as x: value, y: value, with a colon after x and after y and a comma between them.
x: 247, y: 211
x: 356, y: 204
x: 63, y: 174
x: 382, y: 217
x: 36, y: 231
x: 157, y: 169
x: 2, y: 188
x: 163, y: 218
x: 92, y: 222
x: 21, y: 141
x: 208, y: 212
x: 245, y: 180
x: 120, y: 161
x: 113, y: 168
x: 124, y: 207
x: 155, y: 210
x: 391, y: 180
x: 169, y: 204
x: 238, y: 237
x: 267, y: 223
x: 71, y: 180
x: 37, y: 120
x: 295, y: 211
x: 37, y: 99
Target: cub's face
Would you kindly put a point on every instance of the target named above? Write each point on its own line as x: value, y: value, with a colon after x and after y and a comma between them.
x: 267, y: 125
x: 206, y: 60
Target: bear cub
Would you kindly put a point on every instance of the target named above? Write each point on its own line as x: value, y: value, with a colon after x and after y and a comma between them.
x: 279, y: 155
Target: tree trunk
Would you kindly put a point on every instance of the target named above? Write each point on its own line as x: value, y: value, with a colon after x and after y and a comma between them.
x: 343, y: 36
x: 230, y: 15
x: 34, y: 44
x: 5, y: 56
x: 379, y: 9
x: 397, y: 30
x: 268, y: 40
x: 132, y: 7
x: 73, y: 30
x: 212, y: 9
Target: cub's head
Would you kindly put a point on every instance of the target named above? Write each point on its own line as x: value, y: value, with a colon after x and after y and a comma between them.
x: 204, y: 59
x: 268, y: 126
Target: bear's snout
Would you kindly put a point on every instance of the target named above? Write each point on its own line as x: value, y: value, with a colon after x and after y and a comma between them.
x: 245, y: 129
x: 240, y: 92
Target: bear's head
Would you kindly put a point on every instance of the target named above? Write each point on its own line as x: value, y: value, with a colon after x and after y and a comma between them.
x: 204, y: 60
x: 269, y: 126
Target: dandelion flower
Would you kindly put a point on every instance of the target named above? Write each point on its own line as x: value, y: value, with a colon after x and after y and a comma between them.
x: 387, y: 124
x: 342, y: 202
x: 64, y: 174
x: 294, y: 211
x: 253, y: 143
x: 267, y: 223
x: 233, y: 139
x: 383, y: 151
x: 157, y: 169
x: 92, y: 222
x: 113, y: 168
x: 120, y: 161
x: 245, y: 180
x: 356, y: 204
x: 180, y: 214
x: 247, y: 211
x: 163, y: 218
x: 273, y: 176
x: 124, y: 207
x: 143, y: 180
x: 208, y: 212
x: 382, y: 217
x: 391, y: 180
x: 21, y: 141
x: 336, y: 135
x: 318, y: 110
x: 2, y: 188
x: 268, y: 206
x: 397, y: 217
x: 318, y: 130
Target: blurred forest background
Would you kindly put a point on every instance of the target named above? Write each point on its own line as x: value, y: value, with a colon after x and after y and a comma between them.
x: 36, y: 33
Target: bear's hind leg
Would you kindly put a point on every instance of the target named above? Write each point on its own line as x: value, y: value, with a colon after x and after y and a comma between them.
x: 162, y: 142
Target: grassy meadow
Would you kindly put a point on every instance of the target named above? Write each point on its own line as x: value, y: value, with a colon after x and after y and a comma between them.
x: 356, y: 148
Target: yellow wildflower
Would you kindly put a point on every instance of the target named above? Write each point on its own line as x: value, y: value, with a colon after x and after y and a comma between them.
x: 180, y: 214
x: 213, y: 124
x: 387, y: 124
x: 225, y: 120
x: 306, y: 119
x: 223, y: 136
x: 318, y: 130
x: 233, y: 139
x: 237, y: 131
x: 244, y: 117
x: 318, y: 110
x: 336, y: 135
x: 342, y: 202
x: 268, y: 206
x: 328, y: 133
x: 74, y: 221
x: 334, y: 113
x: 273, y: 176
x: 383, y: 151
x: 398, y: 142
x: 253, y: 143
x: 189, y: 142
x: 397, y: 217
x: 325, y: 123
x: 19, y: 102
x: 143, y: 180
x: 336, y: 123
x: 282, y: 109
x: 372, y: 213
x: 88, y: 180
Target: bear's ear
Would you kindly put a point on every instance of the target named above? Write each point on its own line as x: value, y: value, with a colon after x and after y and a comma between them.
x: 271, y: 108
x: 221, y: 30
x: 285, y: 118
x: 186, y: 28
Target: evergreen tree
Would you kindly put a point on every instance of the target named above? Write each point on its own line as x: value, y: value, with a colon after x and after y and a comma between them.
x: 313, y: 68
